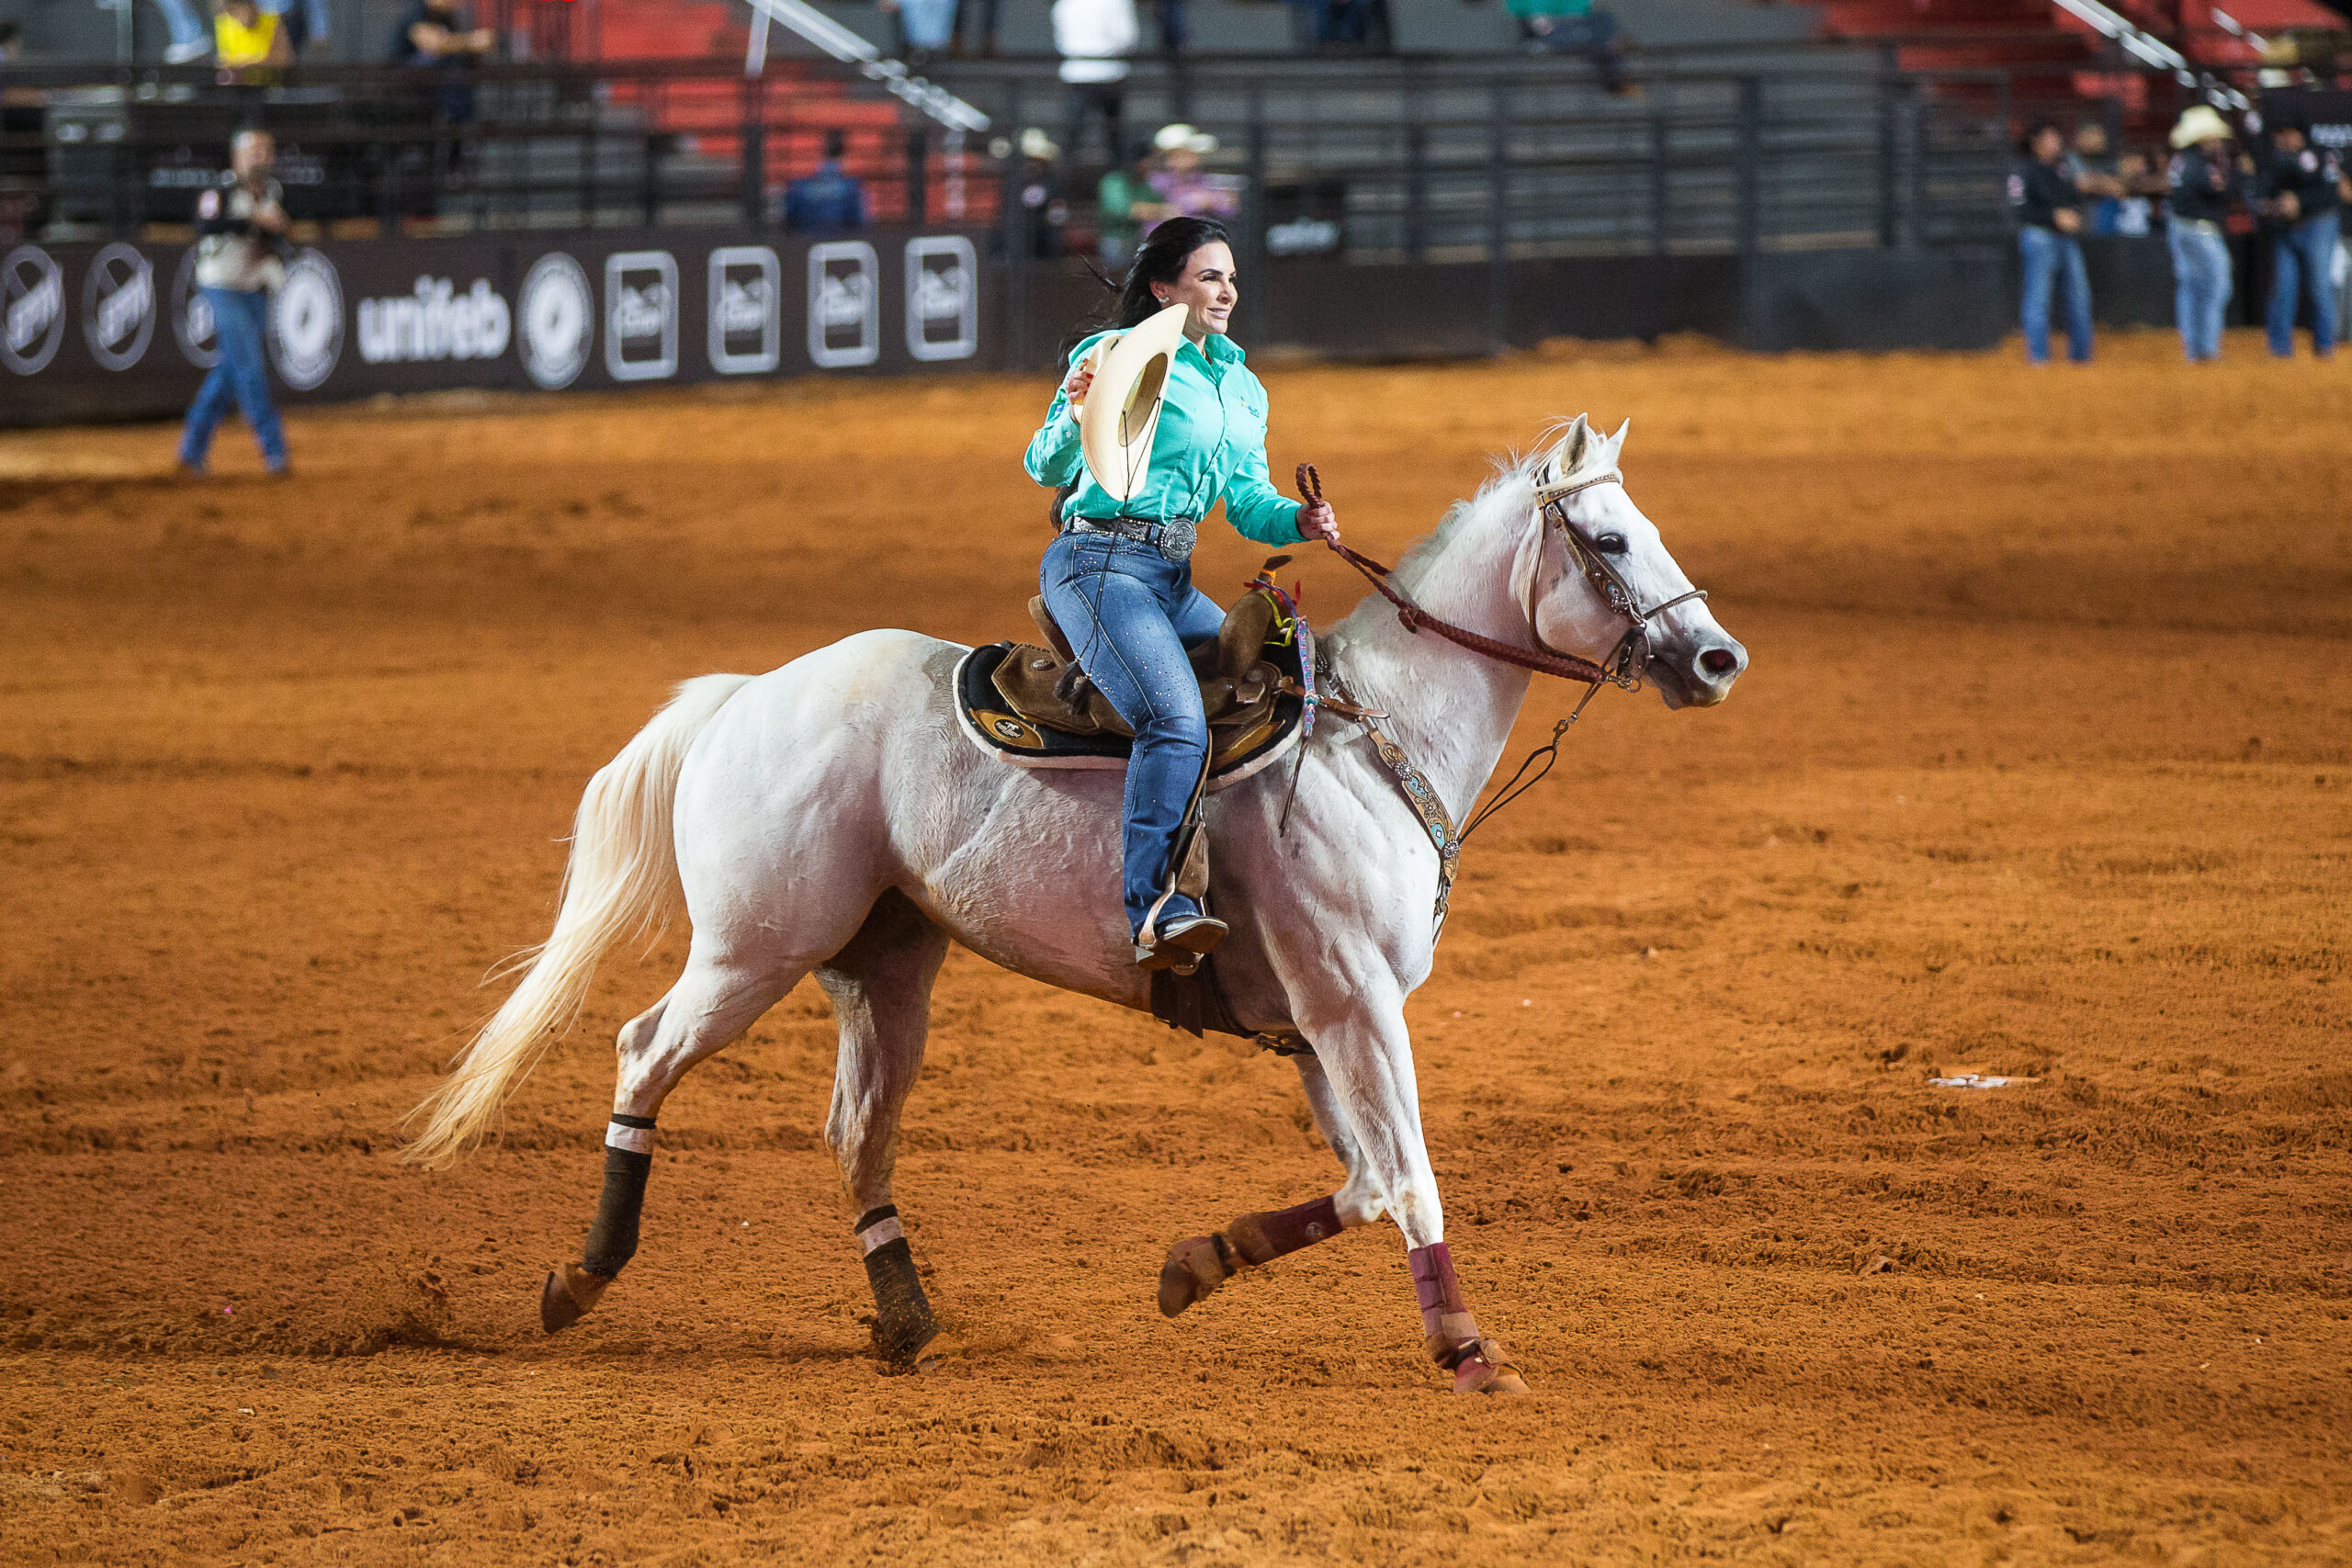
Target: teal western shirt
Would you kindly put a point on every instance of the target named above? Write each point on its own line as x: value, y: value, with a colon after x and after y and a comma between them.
x: 1211, y: 443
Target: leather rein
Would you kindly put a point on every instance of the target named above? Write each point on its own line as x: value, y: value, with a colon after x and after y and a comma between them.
x: 1624, y: 663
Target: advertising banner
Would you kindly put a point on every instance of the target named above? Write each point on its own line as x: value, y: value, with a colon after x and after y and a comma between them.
x: 122, y: 330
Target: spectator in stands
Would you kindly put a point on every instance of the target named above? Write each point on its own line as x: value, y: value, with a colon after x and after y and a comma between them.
x: 432, y: 32
x: 1573, y: 26
x: 2049, y: 206
x: 982, y: 13
x: 1093, y: 38
x: 1126, y: 206
x: 2303, y: 189
x: 1175, y: 42
x: 245, y: 37
x: 1184, y: 188
x: 191, y: 40
x: 927, y: 27
x: 241, y: 238
x: 1354, y: 26
x: 829, y: 202
x: 304, y: 22
x: 2205, y: 182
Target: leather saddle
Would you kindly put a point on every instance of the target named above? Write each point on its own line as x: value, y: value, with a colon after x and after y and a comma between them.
x: 1239, y: 683
x: 1031, y: 704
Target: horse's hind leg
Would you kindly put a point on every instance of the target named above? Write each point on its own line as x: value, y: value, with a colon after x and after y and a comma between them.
x: 1199, y: 1264
x: 880, y: 987
x: 714, y: 1001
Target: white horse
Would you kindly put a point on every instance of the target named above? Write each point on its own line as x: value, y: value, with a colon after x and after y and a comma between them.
x: 830, y: 817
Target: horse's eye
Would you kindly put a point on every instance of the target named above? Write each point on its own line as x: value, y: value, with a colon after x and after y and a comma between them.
x: 1611, y: 543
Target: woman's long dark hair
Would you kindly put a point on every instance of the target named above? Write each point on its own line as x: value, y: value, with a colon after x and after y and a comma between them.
x: 1160, y: 260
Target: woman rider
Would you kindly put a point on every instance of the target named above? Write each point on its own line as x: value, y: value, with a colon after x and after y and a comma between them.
x: 1119, y: 580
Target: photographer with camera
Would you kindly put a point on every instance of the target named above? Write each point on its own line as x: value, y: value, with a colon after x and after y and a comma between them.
x: 240, y: 252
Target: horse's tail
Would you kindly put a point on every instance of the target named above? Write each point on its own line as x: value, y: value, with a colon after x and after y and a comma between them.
x: 622, y: 882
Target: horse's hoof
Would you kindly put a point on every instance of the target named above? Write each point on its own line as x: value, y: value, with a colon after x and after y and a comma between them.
x: 1487, y: 1370
x: 567, y: 1295
x: 900, y: 1346
x: 1195, y: 1266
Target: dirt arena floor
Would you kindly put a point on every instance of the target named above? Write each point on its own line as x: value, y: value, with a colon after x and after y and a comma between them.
x: 2044, y: 769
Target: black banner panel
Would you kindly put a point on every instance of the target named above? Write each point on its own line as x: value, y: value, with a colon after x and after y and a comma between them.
x: 122, y: 330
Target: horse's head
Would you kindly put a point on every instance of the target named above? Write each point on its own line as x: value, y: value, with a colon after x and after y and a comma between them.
x: 1596, y: 580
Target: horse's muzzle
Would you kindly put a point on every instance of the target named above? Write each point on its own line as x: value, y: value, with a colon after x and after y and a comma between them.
x: 1697, y: 674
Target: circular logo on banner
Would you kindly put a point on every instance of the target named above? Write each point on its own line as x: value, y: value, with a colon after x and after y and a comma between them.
x: 306, y: 322
x: 118, y: 307
x: 558, y: 320
x: 32, y: 308
x: 192, y: 316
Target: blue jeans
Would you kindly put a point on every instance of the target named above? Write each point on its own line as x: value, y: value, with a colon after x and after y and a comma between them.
x: 1130, y: 615
x: 186, y: 26
x: 2200, y: 278
x: 2304, y: 259
x: 239, y: 376
x: 2050, y: 255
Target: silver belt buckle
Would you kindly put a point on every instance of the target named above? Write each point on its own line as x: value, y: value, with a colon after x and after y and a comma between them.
x: 1176, y: 540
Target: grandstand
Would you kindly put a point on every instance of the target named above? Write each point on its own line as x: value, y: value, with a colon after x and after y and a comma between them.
x: 1780, y: 175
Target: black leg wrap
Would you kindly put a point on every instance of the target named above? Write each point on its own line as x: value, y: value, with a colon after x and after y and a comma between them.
x: 612, y: 1240
x: 902, y: 1322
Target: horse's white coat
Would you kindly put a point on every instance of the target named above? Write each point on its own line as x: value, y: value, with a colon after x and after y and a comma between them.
x: 817, y: 789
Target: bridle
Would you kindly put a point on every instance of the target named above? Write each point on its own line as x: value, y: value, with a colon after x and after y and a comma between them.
x: 1625, y: 662
x: 1623, y: 666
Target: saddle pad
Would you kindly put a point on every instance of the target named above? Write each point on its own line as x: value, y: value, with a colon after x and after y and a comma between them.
x: 983, y: 714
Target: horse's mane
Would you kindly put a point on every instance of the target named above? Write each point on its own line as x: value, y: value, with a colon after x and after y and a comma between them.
x: 1510, y: 491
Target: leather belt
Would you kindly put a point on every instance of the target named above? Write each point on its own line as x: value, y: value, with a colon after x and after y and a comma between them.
x: 1173, y: 537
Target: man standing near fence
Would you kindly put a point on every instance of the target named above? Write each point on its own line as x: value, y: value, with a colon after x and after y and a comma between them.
x: 2049, y: 205
x: 241, y: 228
x: 2303, y: 189
x: 2205, y: 182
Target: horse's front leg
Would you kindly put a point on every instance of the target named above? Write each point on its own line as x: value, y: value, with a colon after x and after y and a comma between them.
x: 1367, y: 1056
x: 1198, y: 1265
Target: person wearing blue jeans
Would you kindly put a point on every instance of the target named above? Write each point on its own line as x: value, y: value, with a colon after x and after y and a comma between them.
x: 2303, y: 190
x: 2049, y: 204
x: 239, y: 228
x: 1119, y: 578
x: 2205, y: 184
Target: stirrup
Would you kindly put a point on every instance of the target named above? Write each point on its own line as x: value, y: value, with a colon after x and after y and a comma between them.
x: 1181, y: 948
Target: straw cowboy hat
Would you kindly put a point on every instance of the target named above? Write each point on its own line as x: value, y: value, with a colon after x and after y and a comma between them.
x: 1169, y: 138
x: 1121, y: 411
x: 2201, y: 123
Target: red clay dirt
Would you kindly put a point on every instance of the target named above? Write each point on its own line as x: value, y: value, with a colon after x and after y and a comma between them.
x: 2044, y: 768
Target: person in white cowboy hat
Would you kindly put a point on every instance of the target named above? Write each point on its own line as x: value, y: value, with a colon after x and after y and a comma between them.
x: 2205, y: 182
x: 1183, y: 187
x: 1118, y: 577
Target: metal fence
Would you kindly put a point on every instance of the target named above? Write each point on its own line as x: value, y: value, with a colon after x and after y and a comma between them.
x: 1392, y: 163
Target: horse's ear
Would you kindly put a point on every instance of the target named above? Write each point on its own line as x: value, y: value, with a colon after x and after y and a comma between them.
x: 1570, y: 453
x: 1617, y: 441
